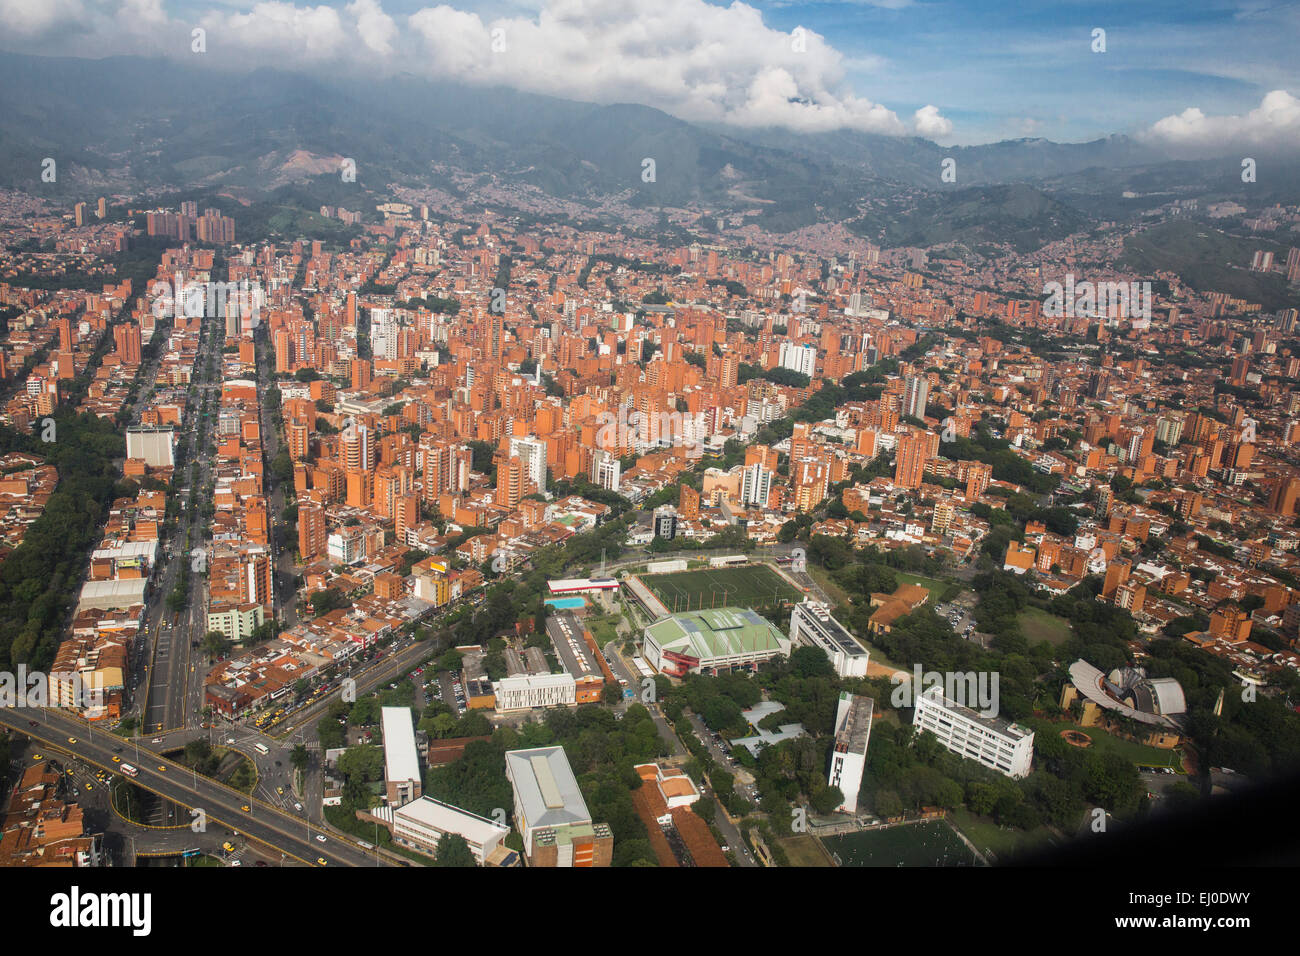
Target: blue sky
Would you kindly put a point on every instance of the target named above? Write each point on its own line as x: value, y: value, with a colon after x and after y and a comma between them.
x: 1002, y: 70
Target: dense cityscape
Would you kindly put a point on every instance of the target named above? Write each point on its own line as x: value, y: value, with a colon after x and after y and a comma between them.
x: 449, y: 520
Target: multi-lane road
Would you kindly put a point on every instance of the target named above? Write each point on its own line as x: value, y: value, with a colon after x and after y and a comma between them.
x: 174, y: 686
x: 297, y: 837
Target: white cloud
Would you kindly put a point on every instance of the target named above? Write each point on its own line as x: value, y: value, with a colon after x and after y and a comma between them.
x: 375, y: 27
x: 26, y: 18
x: 928, y: 123
x: 273, y: 27
x: 1275, y: 122
x: 691, y: 58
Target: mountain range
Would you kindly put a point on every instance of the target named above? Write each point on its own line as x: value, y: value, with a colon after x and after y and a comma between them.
x: 131, y: 123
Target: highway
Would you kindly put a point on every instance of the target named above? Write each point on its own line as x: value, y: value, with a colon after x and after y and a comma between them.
x: 173, y: 689
x: 295, y: 837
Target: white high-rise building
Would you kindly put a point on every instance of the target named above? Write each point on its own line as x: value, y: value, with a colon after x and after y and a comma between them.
x: 849, y: 755
x: 755, y: 485
x: 915, y: 395
x: 532, y: 452
x: 997, y: 744
x: 606, y: 470
x: 799, y: 358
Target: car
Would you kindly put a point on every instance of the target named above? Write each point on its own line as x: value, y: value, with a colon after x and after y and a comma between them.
x: 36, y: 757
x: 228, y: 847
x: 71, y: 773
x: 157, y: 740
x: 236, y: 863
x: 117, y: 750
x: 297, y: 806
x: 246, y: 808
x: 320, y: 861
x: 280, y: 791
x: 162, y: 768
x: 32, y: 723
x: 90, y: 786
x: 320, y: 838
x: 72, y: 740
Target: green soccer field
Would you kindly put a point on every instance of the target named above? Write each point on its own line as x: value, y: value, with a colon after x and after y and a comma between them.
x: 751, y: 585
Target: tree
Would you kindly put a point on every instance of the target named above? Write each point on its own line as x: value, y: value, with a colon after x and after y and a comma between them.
x: 889, y: 804
x: 453, y: 851
x: 299, y: 757
x: 826, y: 799
x: 215, y: 643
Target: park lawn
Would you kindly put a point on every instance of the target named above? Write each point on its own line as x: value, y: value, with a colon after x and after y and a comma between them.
x: 603, y: 629
x: 992, y: 839
x: 938, y: 589
x: 828, y: 584
x: 1038, y: 625
x: 1139, y: 754
x: 804, y: 850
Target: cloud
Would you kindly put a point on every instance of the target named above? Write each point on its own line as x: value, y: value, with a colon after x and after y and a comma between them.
x: 309, y: 35
x: 1274, y: 123
x: 690, y: 58
x: 928, y: 123
x: 27, y: 19
x: 376, y: 28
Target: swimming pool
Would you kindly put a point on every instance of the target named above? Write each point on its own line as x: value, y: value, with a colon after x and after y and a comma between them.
x: 567, y: 603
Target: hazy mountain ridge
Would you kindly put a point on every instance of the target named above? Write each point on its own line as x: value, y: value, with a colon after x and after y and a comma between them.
x: 165, y: 123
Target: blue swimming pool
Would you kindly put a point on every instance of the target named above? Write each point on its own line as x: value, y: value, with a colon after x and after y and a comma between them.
x: 567, y: 603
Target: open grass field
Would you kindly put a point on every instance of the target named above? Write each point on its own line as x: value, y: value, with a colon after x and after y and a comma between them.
x: 803, y: 850
x: 750, y: 585
x: 1140, y: 754
x: 993, y: 840
x: 915, y: 844
x: 939, y: 590
x: 1037, y: 625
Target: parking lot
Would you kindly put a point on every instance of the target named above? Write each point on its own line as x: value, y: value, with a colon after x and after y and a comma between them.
x: 959, y: 617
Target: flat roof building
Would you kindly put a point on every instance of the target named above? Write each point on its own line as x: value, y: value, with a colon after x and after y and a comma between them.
x: 811, y: 624
x: 551, y: 814
x: 526, y: 691
x: 402, y: 779
x: 997, y: 744
x: 423, y: 822
x: 849, y: 754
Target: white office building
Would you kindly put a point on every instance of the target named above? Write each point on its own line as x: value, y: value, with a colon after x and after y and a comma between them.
x: 799, y: 358
x: 606, y: 470
x: 422, y: 823
x: 811, y: 624
x: 526, y: 691
x: 997, y: 744
x: 402, y: 777
x: 849, y: 755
